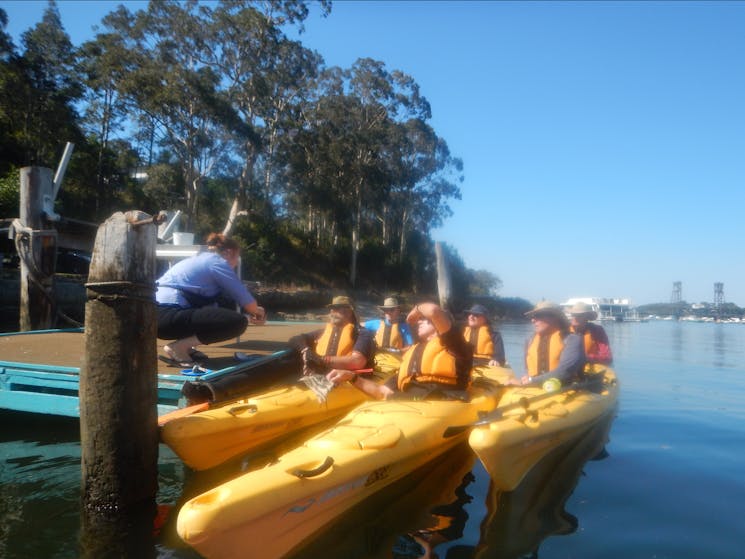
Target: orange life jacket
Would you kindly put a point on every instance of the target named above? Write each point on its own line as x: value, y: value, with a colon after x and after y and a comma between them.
x: 588, y: 341
x: 337, y: 340
x: 389, y: 335
x: 555, y: 347
x: 483, y: 345
x: 436, y: 364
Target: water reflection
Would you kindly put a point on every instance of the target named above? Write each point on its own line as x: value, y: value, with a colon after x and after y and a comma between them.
x: 424, y: 515
x: 720, y: 344
x: 518, y: 521
x: 676, y: 344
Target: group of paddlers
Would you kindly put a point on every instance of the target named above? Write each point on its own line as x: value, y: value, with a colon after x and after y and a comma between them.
x: 436, y: 357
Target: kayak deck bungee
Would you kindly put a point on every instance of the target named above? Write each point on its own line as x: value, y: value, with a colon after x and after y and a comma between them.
x: 534, y: 423
x: 208, y: 437
x: 374, y: 445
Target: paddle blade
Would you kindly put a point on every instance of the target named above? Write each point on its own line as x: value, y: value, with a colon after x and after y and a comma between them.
x: 182, y: 412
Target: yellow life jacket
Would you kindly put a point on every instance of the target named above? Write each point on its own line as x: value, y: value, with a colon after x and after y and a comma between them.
x: 437, y: 364
x: 483, y: 345
x: 555, y: 346
x: 389, y: 335
x: 336, y: 340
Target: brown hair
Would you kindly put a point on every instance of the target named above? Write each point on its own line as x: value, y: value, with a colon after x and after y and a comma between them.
x: 220, y: 243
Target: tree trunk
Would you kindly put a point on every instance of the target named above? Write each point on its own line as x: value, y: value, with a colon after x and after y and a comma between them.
x: 356, y: 232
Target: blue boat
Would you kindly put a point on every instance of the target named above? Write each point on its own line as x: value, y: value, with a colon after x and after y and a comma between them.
x: 40, y: 370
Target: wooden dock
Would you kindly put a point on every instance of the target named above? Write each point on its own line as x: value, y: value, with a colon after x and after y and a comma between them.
x: 40, y: 370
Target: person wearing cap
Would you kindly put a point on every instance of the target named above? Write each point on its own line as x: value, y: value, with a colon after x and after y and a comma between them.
x: 552, y: 351
x: 342, y: 343
x: 486, y: 341
x: 438, y: 366
x: 391, y: 331
x: 594, y: 339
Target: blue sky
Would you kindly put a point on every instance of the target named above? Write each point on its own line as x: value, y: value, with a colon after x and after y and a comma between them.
x: 603, y: 142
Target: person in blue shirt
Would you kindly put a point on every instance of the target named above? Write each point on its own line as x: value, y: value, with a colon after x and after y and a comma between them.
x: 391, y: 331
x: 187, y: 296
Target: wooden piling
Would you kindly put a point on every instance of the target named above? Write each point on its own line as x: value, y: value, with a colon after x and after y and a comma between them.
x: 443, y: 277
x: 118, y: 388
x: 37, y: 248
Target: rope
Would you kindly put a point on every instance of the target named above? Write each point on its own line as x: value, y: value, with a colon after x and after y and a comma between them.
x: 120, y: 290
x: 23, y: 238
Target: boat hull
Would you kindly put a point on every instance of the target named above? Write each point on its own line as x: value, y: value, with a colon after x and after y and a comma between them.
x: 283, y: 504
x: 206, y: 439
x: 511, y: 445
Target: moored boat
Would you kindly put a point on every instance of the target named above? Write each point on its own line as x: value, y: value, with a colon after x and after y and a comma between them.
x: 529, y: 423
x: 374, y: 445
x: 40, y: 370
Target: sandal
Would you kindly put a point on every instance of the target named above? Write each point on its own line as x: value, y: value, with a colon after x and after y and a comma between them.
x: 197, y: 356
x: 175, y: 362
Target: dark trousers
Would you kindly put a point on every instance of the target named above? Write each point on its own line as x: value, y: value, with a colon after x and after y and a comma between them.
x: 209, y: 324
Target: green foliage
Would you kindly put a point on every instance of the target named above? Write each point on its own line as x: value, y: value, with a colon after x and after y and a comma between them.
x: 330, y: 176
x: 9, y: 193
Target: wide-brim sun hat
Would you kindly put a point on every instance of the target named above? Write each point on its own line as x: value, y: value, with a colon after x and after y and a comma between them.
x: 547, y: 308
x: 389, y: 304
x: 583, y: 309
x: 341, y: 301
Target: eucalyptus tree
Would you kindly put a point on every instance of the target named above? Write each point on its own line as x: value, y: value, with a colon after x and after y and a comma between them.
x: 12, y: 82
x: 366, y: 156
x: 425, y: 179
x: 265, y: 76
x: 168, y: 86
x: 44, y: 102
x: 104, y: 63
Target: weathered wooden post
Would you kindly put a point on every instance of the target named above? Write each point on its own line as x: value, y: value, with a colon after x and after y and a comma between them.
x: 37, y: 249
x: 118, y: 391
x: 443, y: 277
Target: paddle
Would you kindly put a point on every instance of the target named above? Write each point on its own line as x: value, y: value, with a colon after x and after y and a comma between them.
x: 182, y: 412
x: 522, y: 403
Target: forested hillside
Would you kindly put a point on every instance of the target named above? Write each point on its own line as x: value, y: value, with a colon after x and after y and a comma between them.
x: 330, y: 177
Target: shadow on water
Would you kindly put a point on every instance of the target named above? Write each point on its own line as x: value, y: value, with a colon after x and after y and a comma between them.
x: 39, y: 480
x: 40, y: 510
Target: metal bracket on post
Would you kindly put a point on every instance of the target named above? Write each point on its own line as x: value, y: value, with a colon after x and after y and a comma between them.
x: 48, y: 199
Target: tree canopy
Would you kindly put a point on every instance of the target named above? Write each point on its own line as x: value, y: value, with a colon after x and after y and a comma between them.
x: 329, y: 176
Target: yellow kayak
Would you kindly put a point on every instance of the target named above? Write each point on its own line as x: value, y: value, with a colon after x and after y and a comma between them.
x: 271, y: 511
x: 519, y: 520
x: 212, y: 436
x: 531, y: 422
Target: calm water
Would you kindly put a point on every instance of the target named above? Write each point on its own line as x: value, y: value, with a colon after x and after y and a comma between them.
x: 670, y: 486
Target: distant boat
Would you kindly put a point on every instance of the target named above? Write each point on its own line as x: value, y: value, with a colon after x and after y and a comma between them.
x: 608, y: 309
